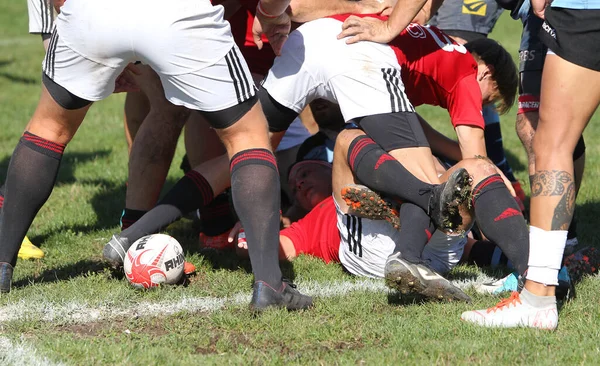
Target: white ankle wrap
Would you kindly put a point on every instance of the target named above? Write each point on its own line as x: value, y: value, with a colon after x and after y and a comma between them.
x: 546, y: 250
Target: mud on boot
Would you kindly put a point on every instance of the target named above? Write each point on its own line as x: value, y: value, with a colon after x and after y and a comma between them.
x: 365, y: 203
x: 411, y: 278
x: 446, y: 200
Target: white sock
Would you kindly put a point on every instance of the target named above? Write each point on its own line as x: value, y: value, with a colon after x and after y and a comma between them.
x: 546, y: 250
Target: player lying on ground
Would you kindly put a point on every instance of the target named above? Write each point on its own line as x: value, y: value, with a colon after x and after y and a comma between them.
x: 332, y: 232
x: 147, y: 31
x: 290, y: 81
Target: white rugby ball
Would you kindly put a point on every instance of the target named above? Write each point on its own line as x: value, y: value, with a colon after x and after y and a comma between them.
x: 154, y: 260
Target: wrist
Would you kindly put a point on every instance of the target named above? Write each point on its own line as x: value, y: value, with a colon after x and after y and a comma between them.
x: 267, y: 13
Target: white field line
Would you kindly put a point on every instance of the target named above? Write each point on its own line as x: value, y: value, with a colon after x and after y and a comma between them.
x: 82, y: 312
x: 19, y: 354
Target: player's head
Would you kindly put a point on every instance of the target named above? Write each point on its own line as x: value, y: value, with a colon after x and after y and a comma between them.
x: 497, y: 75
x: 310, y: 182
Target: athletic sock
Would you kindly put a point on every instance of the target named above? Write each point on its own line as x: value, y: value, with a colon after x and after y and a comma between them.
x: 415, y: 231
x: 192, y: 191
x: 537, y: 301
x: 217, y: 217
x: 493, y: 141
x: 379, y: 171
x: 500, y: 219
x: 255, y: 190
x: 130, y: 217
x: 31, y: 176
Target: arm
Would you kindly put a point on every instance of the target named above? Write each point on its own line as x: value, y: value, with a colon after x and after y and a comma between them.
x: 302, y: 11
x: 427, y: 11
x: 471, y: 141
x: 439, y: 143
x: 370, y: 29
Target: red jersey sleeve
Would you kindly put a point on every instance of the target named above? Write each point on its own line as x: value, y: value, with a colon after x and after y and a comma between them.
x: 465, y: 103
x: 317, y: 234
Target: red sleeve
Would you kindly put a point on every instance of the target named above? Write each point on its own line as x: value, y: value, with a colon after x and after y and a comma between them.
x: 465, y: 102
x: 298, y: 234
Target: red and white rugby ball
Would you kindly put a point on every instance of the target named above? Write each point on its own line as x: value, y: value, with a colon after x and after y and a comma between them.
x: 154, y: 260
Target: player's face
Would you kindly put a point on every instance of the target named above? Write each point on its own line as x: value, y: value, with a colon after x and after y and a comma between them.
x: 310, y: 184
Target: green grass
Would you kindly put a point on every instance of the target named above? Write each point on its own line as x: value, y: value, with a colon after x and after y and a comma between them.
x: 359, y: 327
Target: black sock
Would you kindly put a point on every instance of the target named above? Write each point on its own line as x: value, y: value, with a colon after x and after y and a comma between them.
x: 255, y: 189
x: 192, y: 191
x: 500, y: 219
x: 31, y: 176
x: 484, y: 253
x: 415, y: 231
x: 381, y: 172
x: 217, y: 217
x: 130, y: 217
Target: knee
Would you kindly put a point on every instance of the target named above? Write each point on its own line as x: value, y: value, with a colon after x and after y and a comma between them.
x: 345, y: 138
x: 478, y: 168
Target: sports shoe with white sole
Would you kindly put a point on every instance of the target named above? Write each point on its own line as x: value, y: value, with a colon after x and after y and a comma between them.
x: 514, y: 312
x: 512, y: 282
x: 115, y: 250
x: 408, y: 277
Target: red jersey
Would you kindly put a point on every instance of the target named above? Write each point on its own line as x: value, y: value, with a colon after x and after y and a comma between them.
x: 437, y: 71
x: 259, y: 61
x: 317, y: 234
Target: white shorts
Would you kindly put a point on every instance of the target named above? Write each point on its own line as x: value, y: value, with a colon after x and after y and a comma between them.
x: 366, y: 245
x: 41, y: 16
x: 363, y: 78
x: 188, y: 44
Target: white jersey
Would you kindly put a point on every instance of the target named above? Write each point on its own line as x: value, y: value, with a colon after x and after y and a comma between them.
x: 41, y: 16
x: 363, y: 78
x: 365, y: 246
x: 187, y: 43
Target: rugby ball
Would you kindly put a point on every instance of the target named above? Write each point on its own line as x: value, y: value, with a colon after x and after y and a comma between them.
x: 154, y: 260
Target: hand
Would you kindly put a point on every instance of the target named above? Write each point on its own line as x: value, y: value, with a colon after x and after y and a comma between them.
x: 366, y: 29
x: 276, y: 30
x: 539, y: 7
x: 234, y: 235
x: 126, y: 81
x: 57, y: 5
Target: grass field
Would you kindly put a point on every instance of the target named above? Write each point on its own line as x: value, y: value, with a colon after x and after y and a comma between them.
x: 70, y: 308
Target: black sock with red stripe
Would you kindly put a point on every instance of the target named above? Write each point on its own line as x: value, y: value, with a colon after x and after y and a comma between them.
x: 255, y: 191
x: 30, y: 179
x: 379, y: 171
x: 501, y: 221
x: 217, y: 217
x: 130, y: 217
x: 1, y: 196
x: 192, y: 191
x: 415, y: 231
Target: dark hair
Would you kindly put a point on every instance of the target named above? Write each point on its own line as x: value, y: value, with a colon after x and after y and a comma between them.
x: 504, y: 69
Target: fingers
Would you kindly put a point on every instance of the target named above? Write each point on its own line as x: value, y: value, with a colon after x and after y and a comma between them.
x: 277, y: 41
x: 256, y: 33
x: 234, y: 232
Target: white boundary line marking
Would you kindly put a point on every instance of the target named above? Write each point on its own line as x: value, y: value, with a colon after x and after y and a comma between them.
x: 82, y: 312
x: 21, y: 354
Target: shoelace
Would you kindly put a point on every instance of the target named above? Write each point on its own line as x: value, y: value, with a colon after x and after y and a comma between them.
x: 512, y: 300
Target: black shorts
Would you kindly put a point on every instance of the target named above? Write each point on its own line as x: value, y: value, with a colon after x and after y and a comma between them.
x: 392, y: 131
x: 229, y: 116
x: 574, y: 35
x: 532, y: 53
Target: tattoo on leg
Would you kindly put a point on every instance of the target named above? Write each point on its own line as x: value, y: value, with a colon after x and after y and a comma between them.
x: 563, y: 213
x: 556, y: 183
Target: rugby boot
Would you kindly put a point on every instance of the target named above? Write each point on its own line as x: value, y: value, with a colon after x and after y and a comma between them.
x: 408, y: 278
x: 6, y: 273
x: 115, y: 250
x: 516, y: 311
x: 365, y: 203
x: 29, y: 251
x: 265, y: 296
x: 446, y: 199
